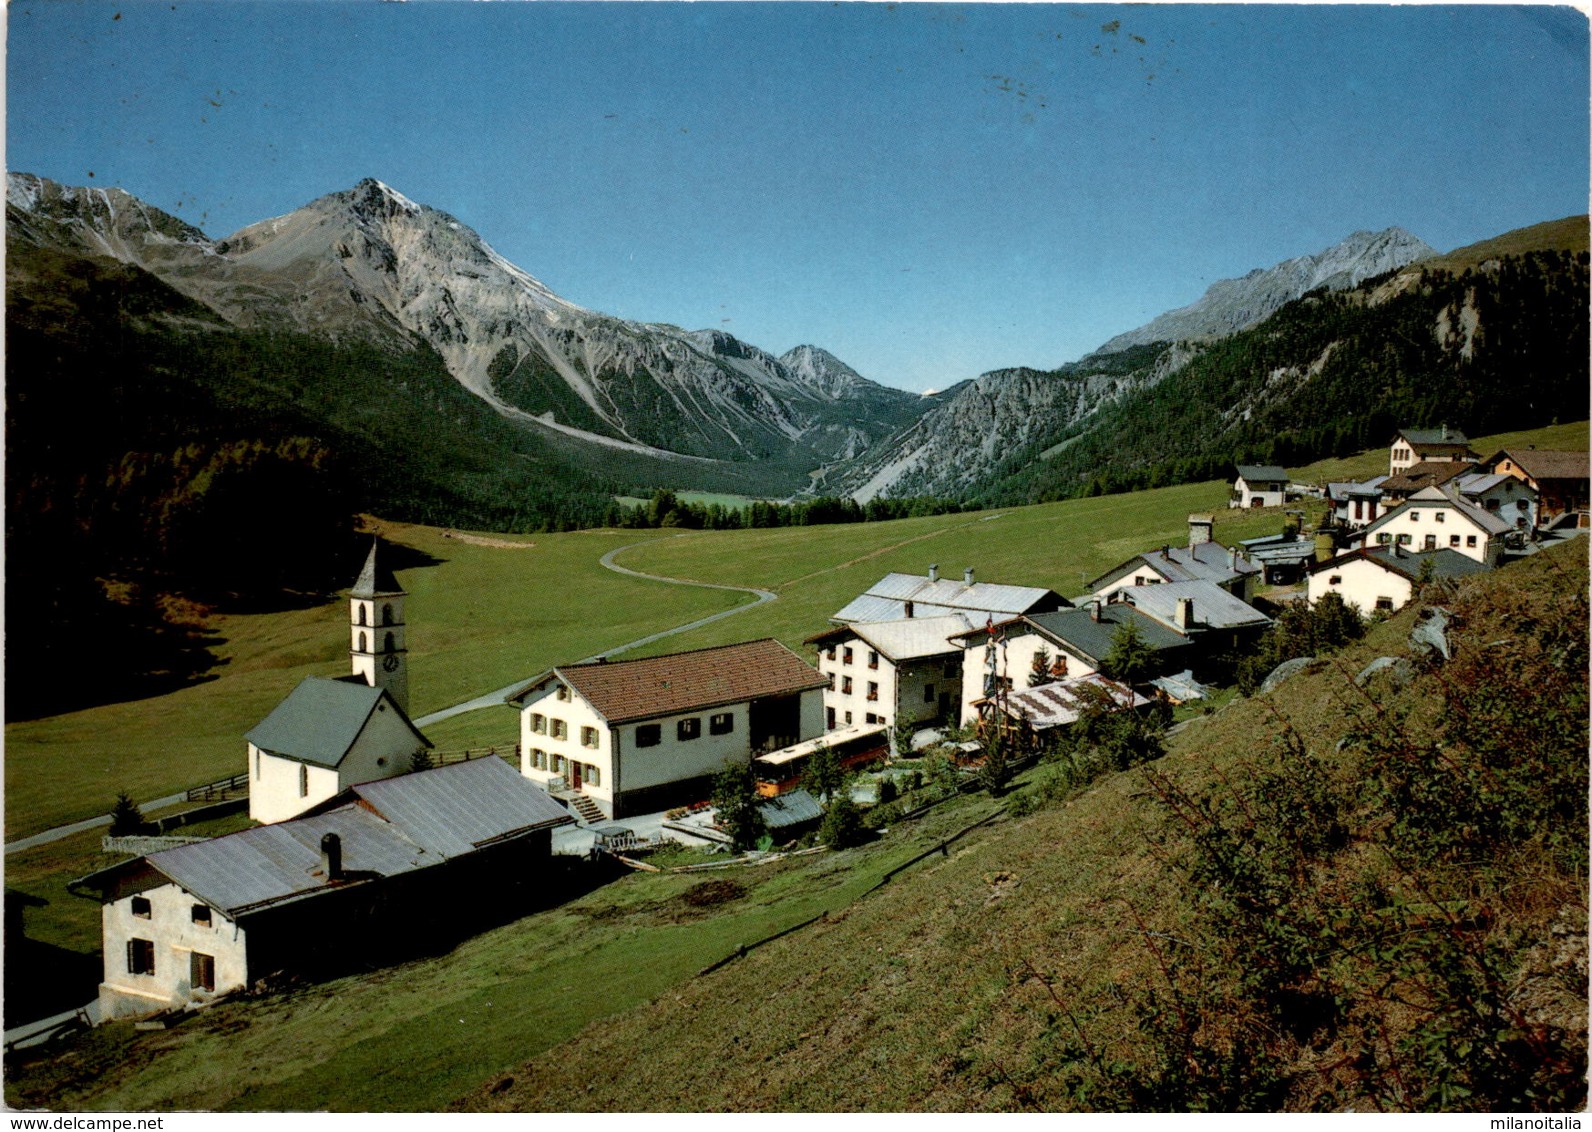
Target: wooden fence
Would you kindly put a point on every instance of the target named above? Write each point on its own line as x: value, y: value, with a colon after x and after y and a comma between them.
x: 507, y: 751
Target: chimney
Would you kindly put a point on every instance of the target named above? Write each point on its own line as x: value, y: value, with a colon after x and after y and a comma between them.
x: 909, y: 609
x: 1094, y: 610
x: 1166, y: 552
x: 332, y: 856
x: 1199, y: 530
x: 601, y: 660
x: 934, y: 572
x: 1184, y: 617
x: 967, y: 576
x: 1232, y: 559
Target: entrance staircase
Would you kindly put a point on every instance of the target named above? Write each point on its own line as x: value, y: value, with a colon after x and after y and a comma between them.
x: 585, y: 809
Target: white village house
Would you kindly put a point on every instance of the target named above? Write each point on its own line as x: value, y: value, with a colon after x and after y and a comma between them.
x: 1259, y: 485
x: 1382, y: 579
x: 1431, y: 519
x: 364, y: 872
x: 1411, y: 446
x: 331, y: 733
x: 628, y: 737
x: 1201, y: 560
x: 890, y: 672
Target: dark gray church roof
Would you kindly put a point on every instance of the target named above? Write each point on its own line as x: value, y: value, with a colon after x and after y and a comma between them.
x: 376, y: 579
x: 320, y: 719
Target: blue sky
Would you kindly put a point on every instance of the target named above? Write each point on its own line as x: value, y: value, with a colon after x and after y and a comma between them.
x: 929, y: 191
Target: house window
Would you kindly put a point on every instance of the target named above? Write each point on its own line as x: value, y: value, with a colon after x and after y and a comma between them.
x: 928, y: 693
x: 201, y: 915
x: 845, y: 685
x: 141, y: 907
x: 257, y: 762
x: 848, y: 719
x: 1440, y: 516
x: 829, y: 719
x: 1138, y: 579
x: 1415, y: 516
x: 1335, y: 580
x: 649, y: 735
x: 560, y: 729
x: 845, y: 656
x: 1403, y: 540
x: 873, y: 659
x: 1384, y: 603
x: 721, y: 724
x: 1430, y: 543
x: 561, y: 693
x: 873, y: 690
x: 870, y: 718
x: 538, y: 759
x: 831, y: 653
x: 140, y: 957
x: 1470, y: 540
x: 588, y: 737
x: 831, y: 676
x: 1453, y: 540
x: 688, y: 729
x: 1383, y: 539
x: 558, y: 764
x: 304, y: 781
x: 592, y: 777
x: 202, y: 971
x: 538, y: 723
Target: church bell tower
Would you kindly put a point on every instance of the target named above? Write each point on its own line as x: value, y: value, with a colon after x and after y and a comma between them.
x: 376, y: 629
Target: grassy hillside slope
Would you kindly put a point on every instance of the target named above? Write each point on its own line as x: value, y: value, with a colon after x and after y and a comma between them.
x: 1250, y: 922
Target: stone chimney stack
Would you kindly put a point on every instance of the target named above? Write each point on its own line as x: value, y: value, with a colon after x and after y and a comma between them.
x: 1199, y: 530
x: 1094, y: 610
x: 1184, y: 616
x: 332, y: 856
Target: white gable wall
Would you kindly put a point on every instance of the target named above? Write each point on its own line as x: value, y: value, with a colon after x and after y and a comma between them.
x: 175, y: 937
x: 1363, y: 585
x: 1014, y: 660
x: 1424, y: 525
x: 274, y: 786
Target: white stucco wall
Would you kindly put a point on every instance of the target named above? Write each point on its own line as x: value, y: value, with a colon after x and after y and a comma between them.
x: 575, y: 713
x: 1018, y: 661
x: 170, y: 927
x: 1360, y: 584
x: 856, y: 703
x: 384, y: 748
x: 1446, y: 525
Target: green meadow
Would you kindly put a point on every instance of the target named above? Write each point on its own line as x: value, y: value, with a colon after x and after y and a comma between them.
x: 503, y: 608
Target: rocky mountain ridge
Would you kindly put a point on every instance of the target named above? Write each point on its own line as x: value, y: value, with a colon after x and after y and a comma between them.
x: 369, y: 263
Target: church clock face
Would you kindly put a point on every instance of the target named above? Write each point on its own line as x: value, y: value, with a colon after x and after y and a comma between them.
x: 391, y: 662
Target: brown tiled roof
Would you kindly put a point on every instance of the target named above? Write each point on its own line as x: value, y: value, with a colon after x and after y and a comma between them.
x: 1546, y: 464
x: 627, y: 690
x: 1428, y: 473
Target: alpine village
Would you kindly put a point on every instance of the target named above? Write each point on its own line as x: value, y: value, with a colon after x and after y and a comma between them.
x: 424, y: 693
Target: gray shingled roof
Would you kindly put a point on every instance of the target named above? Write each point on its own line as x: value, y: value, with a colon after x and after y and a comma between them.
x: 1214, y: 607
x: 375, y: 580
x: 1210, y: 561
x: 1446, y: 563
x: 911, y: 638
x: 1092, y: 639
x: 1252, y: 472
x: 1432, y: 437
x: 387, y: 828
x: 320, y: 719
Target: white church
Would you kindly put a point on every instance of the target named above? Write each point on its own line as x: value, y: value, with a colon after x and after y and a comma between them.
x: 329, y: 734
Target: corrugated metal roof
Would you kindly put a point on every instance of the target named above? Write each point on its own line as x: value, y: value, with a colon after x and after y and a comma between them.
x: 1213, y: 608
x: 790, y: 809
x: 453, y: 809
x: 320, y: 719
x: 1478, y: 482
x: 829, y: 739
x: 1210, y: 561
x: 914, y: 637
x: 1182, y: 686
x: 276, y: 862
x: 886, y: 599
x: 418, y: 820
